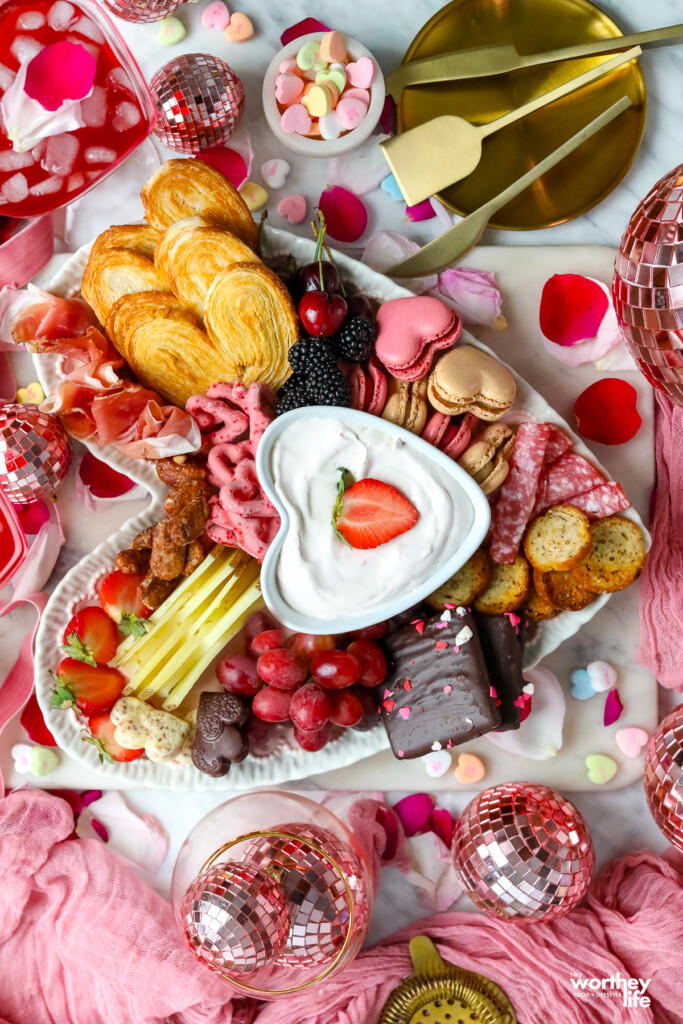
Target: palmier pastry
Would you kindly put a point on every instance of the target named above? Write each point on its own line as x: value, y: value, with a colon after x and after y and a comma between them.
x: 190, y: 188
x: 130, y: 311
x: 112, y: 273
x: 249, y: 316
x: 192, y: 252
x: 175, y: 358
x: 138, y: 237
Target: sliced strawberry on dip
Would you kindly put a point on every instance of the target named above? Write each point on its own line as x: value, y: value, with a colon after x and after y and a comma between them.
x: 370, y: 512
x: 119, y: 598
x: 92, y: 689
x: 103, y: 730
x: 91, y: 637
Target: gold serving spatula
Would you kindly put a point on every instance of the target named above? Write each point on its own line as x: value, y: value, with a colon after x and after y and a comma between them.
x: 454, y: 243
x: 446, y: 149
x: 494, y: 60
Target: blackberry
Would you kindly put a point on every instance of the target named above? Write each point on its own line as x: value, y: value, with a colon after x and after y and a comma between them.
x: 308, y: 353
x: 292, y: 395
x: 356, y: 341
x: 325, y: 385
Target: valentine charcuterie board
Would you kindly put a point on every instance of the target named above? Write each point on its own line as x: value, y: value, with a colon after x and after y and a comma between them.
x: 582, y: 722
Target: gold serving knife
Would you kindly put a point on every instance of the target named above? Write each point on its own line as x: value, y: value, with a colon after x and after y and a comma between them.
x: 446, y: 149
x: 494, y: 60
x: 454, y: 243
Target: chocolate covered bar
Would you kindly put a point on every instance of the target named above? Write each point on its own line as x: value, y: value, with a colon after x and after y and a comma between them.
x: 502, y: 642
x: 437, y: 690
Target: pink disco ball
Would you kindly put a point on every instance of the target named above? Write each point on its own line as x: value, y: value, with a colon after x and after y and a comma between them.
x: 522, y: 852
x: 141, y: 11
x: 663, y: 777
x: 648, y: 286
x: 234, y: 918
x: 35, y: 453
x: 199, y: 102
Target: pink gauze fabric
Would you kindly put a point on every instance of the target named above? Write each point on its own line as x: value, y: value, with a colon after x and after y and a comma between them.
x: 84, y: 941
x: 661, y: 583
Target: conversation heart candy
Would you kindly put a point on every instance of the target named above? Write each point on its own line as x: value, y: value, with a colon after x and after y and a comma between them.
x: 216, y: 15
x: 391, y: 187
x: 274, y: 172
x: 171, y: 31
x: 361, y: 73
x: 350, y: 113
x: 330, y: 125
x: 582, y: 687
x: 33, y: 394
x: 437, y: 763
x: 469, y: 769
x: 358, y: 94
x: 288, y: 89
x: 308, y: 58
x: 289, y: 67
x: 602, y: 675
x: 254, y: 195
x: 240, y: 28
x: 293, y: 208
x: 295, y: 120
x: 601, y: 768
x: 318, y: 101
x: 333, y: 47
x: 35, y: 760
x: 336, y: 75
x: 631, y: 740
x: 21, y: 753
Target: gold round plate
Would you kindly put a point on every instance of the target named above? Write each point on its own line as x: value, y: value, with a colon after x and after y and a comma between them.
x: 582, y: 179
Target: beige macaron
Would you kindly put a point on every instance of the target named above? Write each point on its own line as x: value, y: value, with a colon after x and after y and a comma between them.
x: 487, y: 457
x: 407, y: 404
x: 465, y: 379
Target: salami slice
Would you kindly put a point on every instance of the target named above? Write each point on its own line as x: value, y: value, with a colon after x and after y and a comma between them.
x: 558, y: 444
x: 604, y: 500
x: 540, y: 493
x: 518, y: 492
x: 568, y: 476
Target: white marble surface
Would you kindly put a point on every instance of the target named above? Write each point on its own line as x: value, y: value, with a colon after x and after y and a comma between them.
x: 619, y: 821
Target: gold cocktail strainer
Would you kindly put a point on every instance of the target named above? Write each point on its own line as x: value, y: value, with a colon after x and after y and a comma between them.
x: 438, y: 993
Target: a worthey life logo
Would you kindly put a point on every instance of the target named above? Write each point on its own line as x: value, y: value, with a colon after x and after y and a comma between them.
x: 630, y: 991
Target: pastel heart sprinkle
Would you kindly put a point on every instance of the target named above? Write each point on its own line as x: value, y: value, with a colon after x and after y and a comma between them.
x: 613, y: 708
x: 216, y: 15
x: 254, y: 195
x: 404, y: 713
x: 407, y: 685
x: 420, y: 627
x: 528, y: 688
x: 387, y: 692
x: 295, y: 120
x: 361, y: 73
x: 33, y: 394
x: 581, y: 684
x: 437, y: 763
x: 389, y: 705
x: 288, y: 89
x: 274, y: 172
x: 631, y: 740
x: 469, y: 769
x: 448, y: 688
x: 602, y: 676
x: 171, y: 31
x: 441, y: 645
x: 240, y: 28
x: 293, y: 208
x: 601, y: 768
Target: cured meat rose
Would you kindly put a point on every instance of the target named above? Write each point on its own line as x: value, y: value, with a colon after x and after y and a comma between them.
x: 518, y: 493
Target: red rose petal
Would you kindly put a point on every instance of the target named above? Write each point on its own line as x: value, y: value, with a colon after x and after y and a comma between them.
x: 33, y: 723
x: 231, y: 164
x: 613, y: 708
x: 442, y: 824
x: 103, y: 481
x: 31, y: 517
x: 572, y: 308
x: 414, y: 812
x: 422, y: 211
x: 302, y: 28
x: 344, y: 212
x: 62, y: 71
x: 606, y: 411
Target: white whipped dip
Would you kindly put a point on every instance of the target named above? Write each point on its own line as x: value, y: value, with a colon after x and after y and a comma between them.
x: 318, y: 574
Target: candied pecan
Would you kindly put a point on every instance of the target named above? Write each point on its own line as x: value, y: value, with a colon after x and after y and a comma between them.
x: 153, y: 591
x: 183, y: 494
x: 168, y: 558
x: 132, y: 561
x: 144, y: 539
x: 190, y: 522
x: 195, y: 556
x: 172, y: 473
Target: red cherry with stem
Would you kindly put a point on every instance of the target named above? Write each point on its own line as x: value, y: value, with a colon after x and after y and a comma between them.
x: 347, y: 709
x: 312, y: 741
x: 269, y: 640
x: 373, y: 664
x: 308, y: 278
x: 322, y: 314
x: 307, y: 645
x: 237, y: 673
x: 272, y: 705
x: 281, y: 668
x: 335, y: 669
x: 310, y: 707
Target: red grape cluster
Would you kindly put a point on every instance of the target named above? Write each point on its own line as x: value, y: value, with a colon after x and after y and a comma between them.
x: 316, y: 682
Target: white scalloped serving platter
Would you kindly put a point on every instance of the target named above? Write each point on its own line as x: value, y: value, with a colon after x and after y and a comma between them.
x: 80, y: 585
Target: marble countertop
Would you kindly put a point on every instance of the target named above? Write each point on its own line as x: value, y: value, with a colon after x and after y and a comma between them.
x: 619, y: 820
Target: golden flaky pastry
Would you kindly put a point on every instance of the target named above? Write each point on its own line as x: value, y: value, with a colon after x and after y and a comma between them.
x: 250, y: 316
x: 175, y: 358
x: 111, y: 273
x: 192, y: 252
x: 138, y: 237
x: 131, y: 311
x: 190, y: 188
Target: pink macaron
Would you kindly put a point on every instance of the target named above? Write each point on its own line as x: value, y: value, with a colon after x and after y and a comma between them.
x: 376, y: 387
x: 410, y: 331
x: 436, y: 428
x: 458, y: 436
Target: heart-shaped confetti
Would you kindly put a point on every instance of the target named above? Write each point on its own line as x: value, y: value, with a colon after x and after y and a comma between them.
x: 216, y: 15
x: 613, y: 708
x: 274, y: 173
x: 254, y: 195
x: 581, y: 684
x: 469, y: 769
x: 361, y: 73
x: 602, y: 675
x: 240, y: 28
x: 631, y: 740
x: 293, y: 208
x: 171, y: 31
x: 437, y: 763
x: 295, y: 120
x: 33, y: 394
x: 606, y: 411
x: 601, y: 768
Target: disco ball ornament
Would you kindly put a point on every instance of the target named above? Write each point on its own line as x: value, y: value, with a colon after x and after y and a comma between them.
x: 35, y: 453
x: 199, y: 102
x: 522, y: 852
x: 319, y: 903
x: 663, y: 777
x: 234, y: 917
x: 141, y: 11
x: 648, y: 286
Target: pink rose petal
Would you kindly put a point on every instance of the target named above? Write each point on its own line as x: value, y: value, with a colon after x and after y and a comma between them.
x: 578, y: 322
x: 234, y: 162
x: 302, y: 28
x: 345, y: 213
x: 360, y: 171
x: 62, y: 71
x: 137, y: 839
x: 386, y: 248
x: 442, y: 824
x: 540, y: 736
x: 414, y: 812
x: 103, y: 481
x: 613, y: 708
x: 474, y: 294
x: 31, y: 517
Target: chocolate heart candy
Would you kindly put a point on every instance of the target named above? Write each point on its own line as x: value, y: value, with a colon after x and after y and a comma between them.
x: 218, y: 742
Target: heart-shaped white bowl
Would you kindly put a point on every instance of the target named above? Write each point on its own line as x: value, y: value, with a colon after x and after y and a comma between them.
x: 463, y: 548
